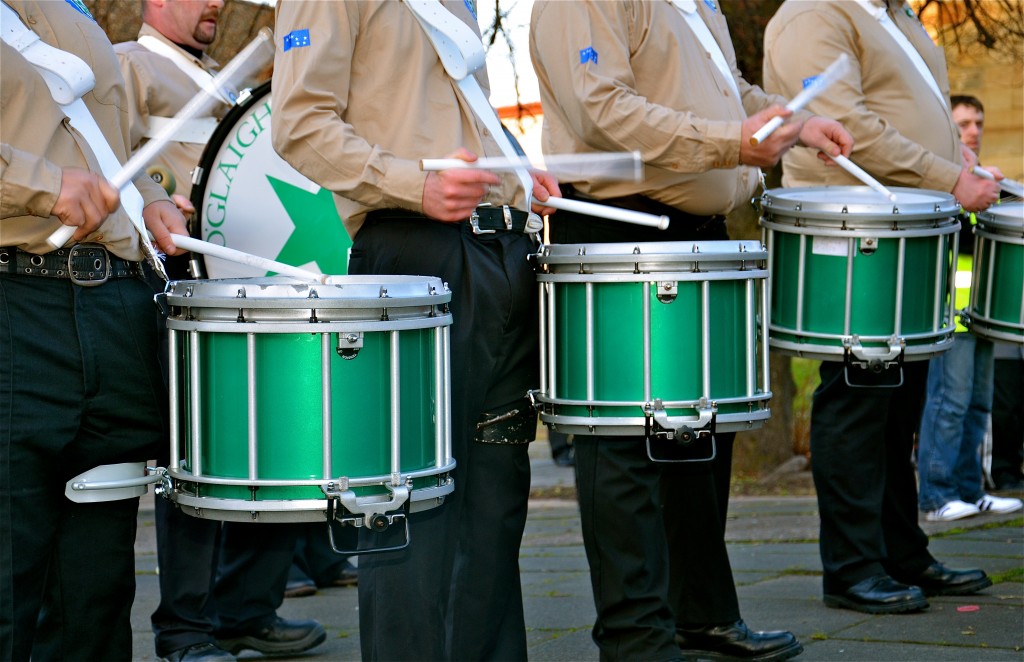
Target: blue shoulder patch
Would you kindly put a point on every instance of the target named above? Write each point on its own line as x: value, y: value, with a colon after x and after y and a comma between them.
x: 471, y: 6
x: 711, y: 5
x: 80, y: 8
x: 296, y: 39
x: 809, y: 81
x: 588, y: 54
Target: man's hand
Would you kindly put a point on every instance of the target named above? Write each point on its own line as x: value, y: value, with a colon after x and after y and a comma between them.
x: 975, y: 193
x: 183, y: 204
x: 162, y: 219
x: 452, y: 195
x: 544, y: 186
x: 829, y: 137
x: 85, y: 201
x: 767, y: 152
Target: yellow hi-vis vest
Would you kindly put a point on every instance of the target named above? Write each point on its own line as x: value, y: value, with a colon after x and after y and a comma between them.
x: 962, y: 283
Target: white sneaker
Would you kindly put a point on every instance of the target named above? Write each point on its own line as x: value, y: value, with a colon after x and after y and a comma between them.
x: 955, y: 510
x: 998, y: 505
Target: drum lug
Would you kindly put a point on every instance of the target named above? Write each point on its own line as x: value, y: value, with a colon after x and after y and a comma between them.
x: 868, y: 245
x: 376, y: 514
x: 683, y: 429
x: 875, y: 361
x: 667, y: 291
x: 349, y: 344
x: 373, y: 518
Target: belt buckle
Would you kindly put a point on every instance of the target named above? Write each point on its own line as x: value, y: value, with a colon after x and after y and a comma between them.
x: 102, y: 264
x: 474, y: 222
x: 507, y: 213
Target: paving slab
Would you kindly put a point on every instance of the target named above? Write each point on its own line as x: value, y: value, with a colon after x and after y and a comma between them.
x: 774, y: 553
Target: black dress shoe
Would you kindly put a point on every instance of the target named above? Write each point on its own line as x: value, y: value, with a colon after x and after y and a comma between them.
x: 279, y: 638
x: 880, y: 594
x: 937, y: 579
x: 347, y: 576
x: 735, y: 641
x: 207, y: 652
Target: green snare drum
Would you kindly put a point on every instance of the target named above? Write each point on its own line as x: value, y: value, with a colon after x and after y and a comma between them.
x: 653, y: 339
x: 996, y: 308
x: 858, y: 278
x: 299, y: 402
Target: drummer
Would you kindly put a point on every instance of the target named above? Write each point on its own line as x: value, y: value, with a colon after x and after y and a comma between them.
x: 80, y: 384
x: 360, y: 96
x: 895, y: 102
x: 163, y: 70
x: 654, y: 532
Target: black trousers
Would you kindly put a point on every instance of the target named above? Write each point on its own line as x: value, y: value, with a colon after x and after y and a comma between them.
x: 654, y: 533
x: 80, y: 386
x: 217, y: 580
x: 454, y: 592
x: 1008, y: 421
x: 861, y: 444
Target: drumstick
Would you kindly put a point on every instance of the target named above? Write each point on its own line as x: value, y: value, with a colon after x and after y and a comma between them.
x: 241, y: 67
x: 1008, y: 185
x: 855, y: 170
x: 817, y: 86
x: 604, y: 211
x: 232, y: 255
x: 622, y: 166
x: 578, y: 206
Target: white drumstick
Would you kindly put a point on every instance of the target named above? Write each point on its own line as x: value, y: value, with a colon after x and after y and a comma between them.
x: 604, y: 211
x: 820, y: 83
x: 621, y: 166
x: 241, y: 67
x: 1008, y: 185
x: 232, y: 255
x: 855, y: 170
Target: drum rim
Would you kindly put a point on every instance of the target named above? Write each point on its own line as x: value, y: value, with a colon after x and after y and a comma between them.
x: 190, y: 293
x: 779, y: 202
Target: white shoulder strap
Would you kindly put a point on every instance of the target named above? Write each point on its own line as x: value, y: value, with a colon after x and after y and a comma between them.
x: 461, y: 53
x: 880, y: 14
x: 67, y: 75
x: 688, y: 9
x: 62, y: 72
x: 187, y: 65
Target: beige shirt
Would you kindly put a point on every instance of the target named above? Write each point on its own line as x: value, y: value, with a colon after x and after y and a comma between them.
x: 652, y: 88
x: 37, y: 140
x: 903, y: 134
x: 357, y: 108
x: 157, y: 87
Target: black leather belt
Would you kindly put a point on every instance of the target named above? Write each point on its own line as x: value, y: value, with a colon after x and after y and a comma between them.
x: 83, y: 264
x: 486, y: 219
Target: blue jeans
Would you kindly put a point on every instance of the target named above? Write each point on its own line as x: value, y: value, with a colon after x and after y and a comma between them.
x: 956, y: 410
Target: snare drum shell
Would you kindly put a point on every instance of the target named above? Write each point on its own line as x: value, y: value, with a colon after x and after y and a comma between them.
x: 281, y: 387
x: 996, y: 308
x: 849, y: 267
x: 627, y: 324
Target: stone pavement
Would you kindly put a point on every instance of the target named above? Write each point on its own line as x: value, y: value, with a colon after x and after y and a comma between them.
x: 774, y: 553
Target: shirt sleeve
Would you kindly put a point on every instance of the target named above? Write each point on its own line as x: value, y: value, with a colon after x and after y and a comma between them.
x: 312, y: 78
x: 29, y: 184
x: 803, y: 48
x: 600, y: 99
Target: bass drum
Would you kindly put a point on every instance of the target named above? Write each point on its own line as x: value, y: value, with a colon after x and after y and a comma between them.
x: 249, y: 199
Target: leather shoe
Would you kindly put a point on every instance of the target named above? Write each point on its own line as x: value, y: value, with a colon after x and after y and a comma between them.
x: 205, y: 652
x: 736, y: 641
x: 300, y: 588
x: 281, y: 637
x: 880, y: 594
x: 348, y: 576
x: 937, y: 579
